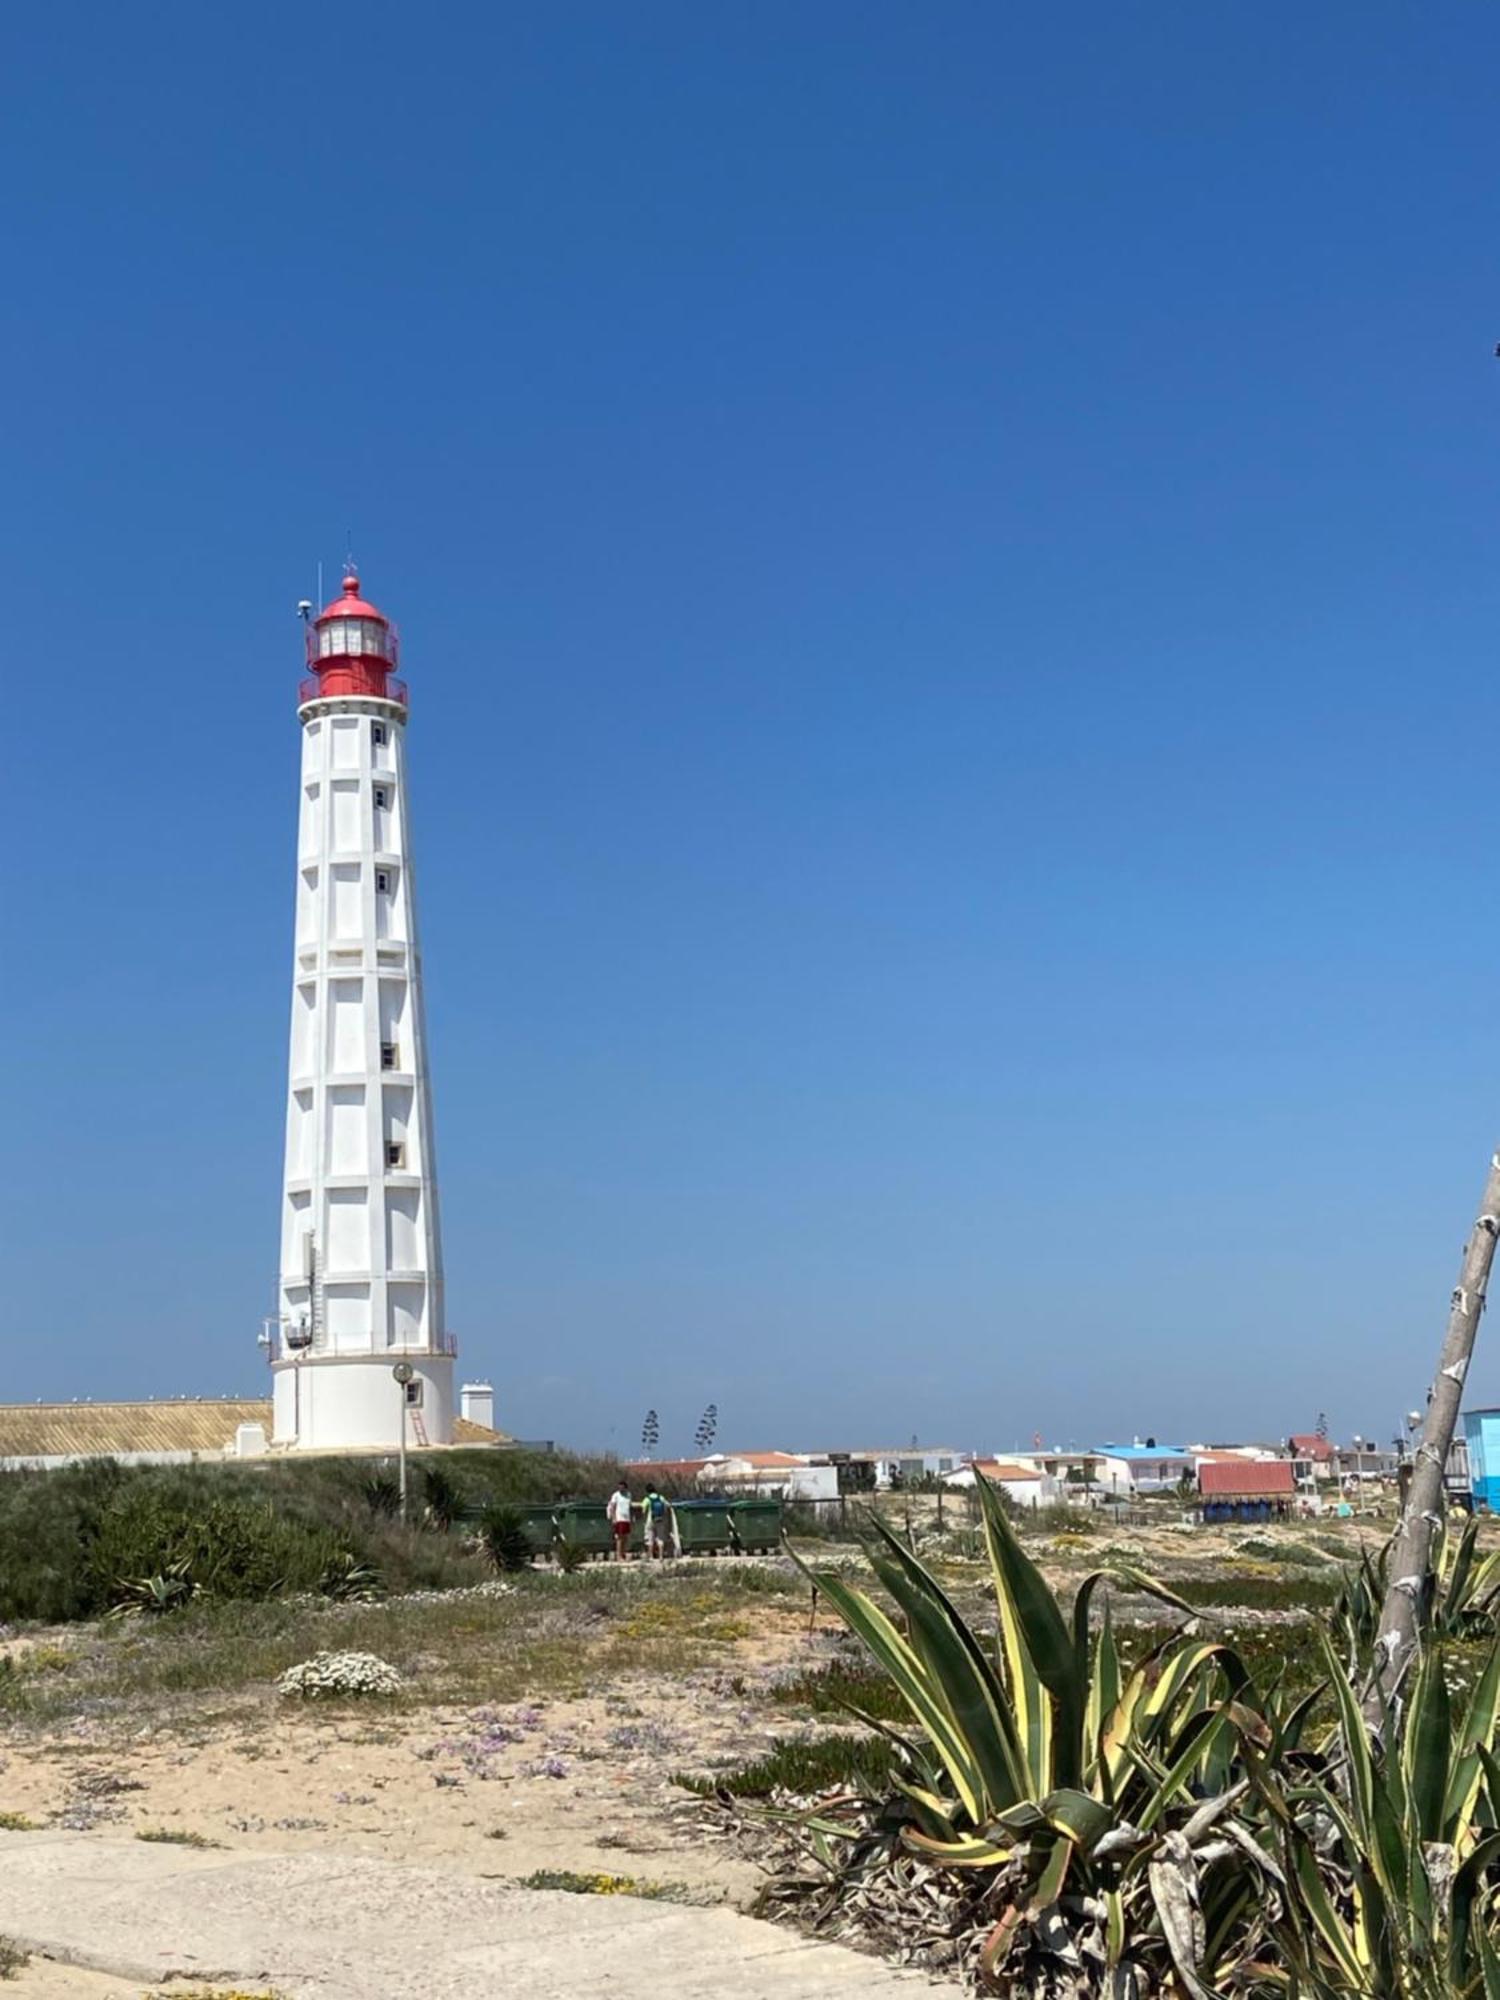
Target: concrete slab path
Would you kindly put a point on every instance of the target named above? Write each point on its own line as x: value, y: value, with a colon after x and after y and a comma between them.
x: 343, y: 1927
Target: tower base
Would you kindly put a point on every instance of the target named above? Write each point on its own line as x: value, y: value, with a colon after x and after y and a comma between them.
x: 352, y: 1402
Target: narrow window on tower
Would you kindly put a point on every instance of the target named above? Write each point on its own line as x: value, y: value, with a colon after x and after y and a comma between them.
x: 395, y: 1153
x: 382, y: 798
x: 414, y: 1394
x: 377, y: 733
x: 389, y: 1055
x: 382, y: 881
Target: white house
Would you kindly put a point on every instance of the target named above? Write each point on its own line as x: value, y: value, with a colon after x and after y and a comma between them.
x: 1025, y: 1485
x: 1127, y: 1470
x: 903, y: 1465
x: 784, y: 1474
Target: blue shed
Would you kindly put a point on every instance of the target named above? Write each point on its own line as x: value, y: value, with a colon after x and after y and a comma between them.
x: 1482, y: 1434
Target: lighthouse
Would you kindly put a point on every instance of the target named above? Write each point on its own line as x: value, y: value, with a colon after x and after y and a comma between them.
x: 359, y: 1352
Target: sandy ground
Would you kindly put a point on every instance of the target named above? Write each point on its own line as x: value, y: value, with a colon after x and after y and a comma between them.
x: 43, y: 1980
x: 497, y: 1790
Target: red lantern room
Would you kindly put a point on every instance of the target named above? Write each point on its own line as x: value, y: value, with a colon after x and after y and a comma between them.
x: 352, y: 649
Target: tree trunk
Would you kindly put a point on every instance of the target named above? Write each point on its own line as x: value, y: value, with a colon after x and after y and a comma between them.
x: 1412, y: 1548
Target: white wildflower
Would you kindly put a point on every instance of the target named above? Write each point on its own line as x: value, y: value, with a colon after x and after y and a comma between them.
x: 340, y: 1674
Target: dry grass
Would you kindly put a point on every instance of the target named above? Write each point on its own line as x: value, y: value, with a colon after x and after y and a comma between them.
x: 214, y: 1662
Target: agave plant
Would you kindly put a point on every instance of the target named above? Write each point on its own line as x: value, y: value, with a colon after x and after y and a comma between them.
x: 442, y: 1501
x: 1460, y: 1597
x: 502, y: 1534
x: 1391, y: 1848
x: 154, y: 1596
x: 1103, y: 1807
x: 349, y: 1579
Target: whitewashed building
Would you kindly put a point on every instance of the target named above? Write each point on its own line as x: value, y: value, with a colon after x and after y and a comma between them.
x: 361, y: 1286
x: 1024, y: 1485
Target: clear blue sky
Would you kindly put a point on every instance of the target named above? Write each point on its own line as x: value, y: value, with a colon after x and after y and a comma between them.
x: 948, y: 566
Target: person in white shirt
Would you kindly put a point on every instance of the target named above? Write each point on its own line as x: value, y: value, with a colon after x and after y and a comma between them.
x: 619, y: 1512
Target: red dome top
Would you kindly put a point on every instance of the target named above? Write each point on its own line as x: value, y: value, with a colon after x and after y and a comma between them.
x: 351, y: 604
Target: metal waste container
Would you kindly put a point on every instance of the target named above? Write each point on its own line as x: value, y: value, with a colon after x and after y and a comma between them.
x: 583, y: 1522
x: 541, y: 1530
x: 703, y: 1526
x: 756, y: 1525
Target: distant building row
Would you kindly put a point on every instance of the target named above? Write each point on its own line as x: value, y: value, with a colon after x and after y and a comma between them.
x: 1255, y: 1477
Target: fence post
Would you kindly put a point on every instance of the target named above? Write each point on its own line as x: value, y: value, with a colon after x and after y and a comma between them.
x: 843, y: 1510
x: 940, y: 1510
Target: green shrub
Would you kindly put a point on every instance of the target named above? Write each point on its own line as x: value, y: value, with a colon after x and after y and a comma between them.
x: 349, y: 1580
x: 12, y: 1958
x: 441, y: 1500
x: 154, y: 1596
x: 75, y: 1540
x: 46, y: 1522
x: 807, y: 1766
x: 503, y: 1533
x: 840, y: 1687
x: 226, y: 1544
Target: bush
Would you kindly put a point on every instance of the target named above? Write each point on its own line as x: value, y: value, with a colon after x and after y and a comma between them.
x: 503, y: 1533
x: 46, y: 1522
x: 225, y: 1544
x: 72, y: 1540
x: 441, y: 1501
x: 842, y: 1686
x: 339, y: 1675
x: 347, y: 1580
x: 806, y: 1766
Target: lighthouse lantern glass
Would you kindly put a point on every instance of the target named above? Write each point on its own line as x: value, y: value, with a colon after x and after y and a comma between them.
x: 343, y: 638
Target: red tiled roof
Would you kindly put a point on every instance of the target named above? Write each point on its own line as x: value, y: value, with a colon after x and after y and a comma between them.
x: 683, y: 1470
x: 1247, y: 1479
x: 1004, y: 1469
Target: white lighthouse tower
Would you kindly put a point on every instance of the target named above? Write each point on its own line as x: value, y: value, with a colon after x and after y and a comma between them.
x: 361, y: 1254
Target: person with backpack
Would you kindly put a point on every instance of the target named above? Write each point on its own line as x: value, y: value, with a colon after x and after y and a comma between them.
x: 658, y: 1522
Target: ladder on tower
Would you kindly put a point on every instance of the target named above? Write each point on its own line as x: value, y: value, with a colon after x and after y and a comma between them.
x: 418, y: 1428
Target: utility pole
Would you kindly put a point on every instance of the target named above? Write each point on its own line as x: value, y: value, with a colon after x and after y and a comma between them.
x: 1411, y: 1550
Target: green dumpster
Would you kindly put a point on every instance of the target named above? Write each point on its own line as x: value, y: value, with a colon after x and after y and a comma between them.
x: 703, y: 1526
x: 583, y: 1523
x: 540, y: 1529
x: 756, y: 1525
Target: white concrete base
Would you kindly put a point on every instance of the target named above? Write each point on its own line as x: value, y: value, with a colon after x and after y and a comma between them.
x: 340, y: 1402
x: 342, y: 1927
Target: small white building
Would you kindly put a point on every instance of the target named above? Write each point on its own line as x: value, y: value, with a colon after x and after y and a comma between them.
x: 1022, y: 1485
x: 784, y: 1475
x: 1129, y: 1470
x: 901, y: 1465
